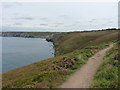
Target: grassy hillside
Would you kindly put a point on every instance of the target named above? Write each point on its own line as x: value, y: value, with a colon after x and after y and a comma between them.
x: 51, y: 73
x: 77, y: 40
x: 107, y: 74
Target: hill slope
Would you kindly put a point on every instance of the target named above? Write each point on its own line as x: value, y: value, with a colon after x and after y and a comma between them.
x: 77, y: 40
x: 83, y: 77
x: 51, y: 73
x: 107, y: 74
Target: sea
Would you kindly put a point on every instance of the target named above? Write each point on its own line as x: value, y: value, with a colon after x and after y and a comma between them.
x: 18, y: 51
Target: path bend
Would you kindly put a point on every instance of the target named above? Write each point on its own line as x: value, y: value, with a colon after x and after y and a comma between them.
x: 84, y: 76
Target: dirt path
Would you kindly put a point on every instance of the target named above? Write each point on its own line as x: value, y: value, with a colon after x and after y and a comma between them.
x: 84, y: 76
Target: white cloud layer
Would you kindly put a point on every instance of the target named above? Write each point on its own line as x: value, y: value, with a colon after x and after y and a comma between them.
x: 54, y: 16
x: 60, y: 0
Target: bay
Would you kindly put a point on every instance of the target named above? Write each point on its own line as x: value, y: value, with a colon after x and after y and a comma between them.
x: 18, y: 52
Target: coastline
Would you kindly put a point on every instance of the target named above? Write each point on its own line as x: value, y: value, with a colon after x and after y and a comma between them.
x: 48, y: 40
x: 48, y: 36
x: 52, y: 72
x: 33, y: 50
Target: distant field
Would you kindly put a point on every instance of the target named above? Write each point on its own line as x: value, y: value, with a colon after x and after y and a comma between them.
x: 77, y: 40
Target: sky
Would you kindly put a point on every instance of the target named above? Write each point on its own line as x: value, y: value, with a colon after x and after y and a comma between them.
x: 58, y: 16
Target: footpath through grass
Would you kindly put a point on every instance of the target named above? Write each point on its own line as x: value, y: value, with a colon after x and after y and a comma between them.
x: 49, y: 73
x: 107, y: 74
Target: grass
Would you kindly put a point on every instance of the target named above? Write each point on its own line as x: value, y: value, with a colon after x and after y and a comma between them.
x: 84, y: 54
x: 74, y: 50
x: 43, y: 75
x: 107, y: 74
x: 78, y: 40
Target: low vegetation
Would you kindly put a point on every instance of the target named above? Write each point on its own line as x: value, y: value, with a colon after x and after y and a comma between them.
x: 49, y: 73
x: 74, y: 49
x: 107, y: 74
x: 77, y: 40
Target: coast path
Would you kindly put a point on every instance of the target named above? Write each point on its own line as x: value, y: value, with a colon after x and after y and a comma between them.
x: 84, y: 76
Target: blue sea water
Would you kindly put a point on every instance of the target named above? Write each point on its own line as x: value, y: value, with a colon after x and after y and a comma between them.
x: 18, y: 52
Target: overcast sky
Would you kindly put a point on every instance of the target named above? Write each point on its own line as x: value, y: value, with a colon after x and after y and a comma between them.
x: 59, y: 16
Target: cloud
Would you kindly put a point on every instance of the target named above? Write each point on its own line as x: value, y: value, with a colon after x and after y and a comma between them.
x: 44, y: 19
x: 104, y: 25
x: 59, y: 23
x: 92, y: 20
x: 25, y: 18
x: 43, y: 24
x: 110, y: 21
x: 107, y: 18
x: 17, y: 23
x: 9, y: 5
x: 64, y: 17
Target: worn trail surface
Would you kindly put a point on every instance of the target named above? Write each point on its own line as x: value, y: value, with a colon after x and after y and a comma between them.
x: 84, y: 76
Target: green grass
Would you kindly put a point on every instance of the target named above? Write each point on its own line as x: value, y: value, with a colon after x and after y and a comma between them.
x: 84, y: 54
x: 78, y: 40
x: 43, y: 75
x: 76, y: 47
x: 107, y: 74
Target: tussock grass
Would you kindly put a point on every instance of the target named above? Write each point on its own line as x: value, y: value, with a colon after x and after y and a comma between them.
x: 107, y: 74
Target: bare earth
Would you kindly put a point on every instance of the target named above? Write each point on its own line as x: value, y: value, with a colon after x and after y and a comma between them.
x: 84, y: 76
